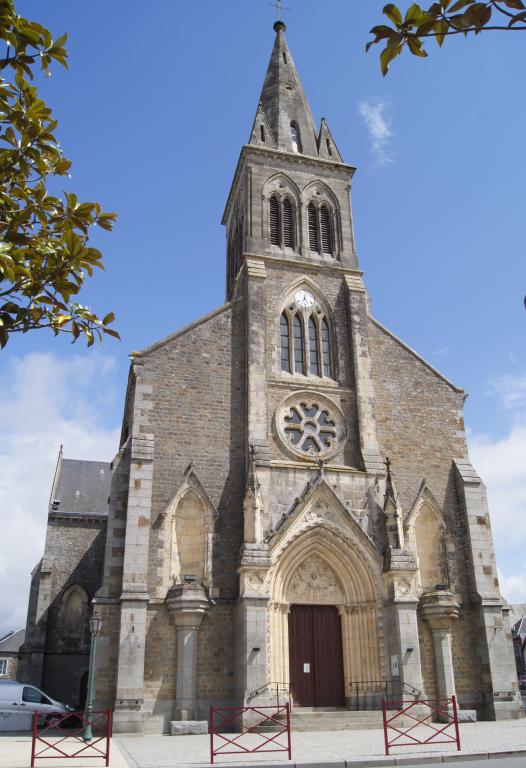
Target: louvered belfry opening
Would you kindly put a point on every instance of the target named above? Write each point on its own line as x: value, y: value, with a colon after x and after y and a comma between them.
x: 275, y: 227
x: 326, y: 230
x: 282, y: 222
x: 314, y: 240
x: 288, y: 223
x: 285, y: 342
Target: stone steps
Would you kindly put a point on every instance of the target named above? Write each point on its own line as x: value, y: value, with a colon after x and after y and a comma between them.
x: 333, y: 719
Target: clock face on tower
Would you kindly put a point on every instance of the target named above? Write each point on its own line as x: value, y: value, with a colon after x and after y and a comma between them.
x: 304, y: 299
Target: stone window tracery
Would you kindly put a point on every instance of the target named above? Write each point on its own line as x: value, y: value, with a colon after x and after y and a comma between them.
x: 305, y: 343
x: 310, y: 426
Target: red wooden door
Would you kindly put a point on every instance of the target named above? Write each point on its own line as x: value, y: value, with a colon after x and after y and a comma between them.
x: 315, y: 656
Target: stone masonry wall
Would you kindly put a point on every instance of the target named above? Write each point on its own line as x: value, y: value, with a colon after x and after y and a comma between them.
x: 198, y: 415
x: 421, y: 429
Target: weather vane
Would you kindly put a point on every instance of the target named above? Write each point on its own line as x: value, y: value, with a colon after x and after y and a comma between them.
x: 278, y: 5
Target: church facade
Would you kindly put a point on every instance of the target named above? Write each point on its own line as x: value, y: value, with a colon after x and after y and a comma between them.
x: 292, y: 501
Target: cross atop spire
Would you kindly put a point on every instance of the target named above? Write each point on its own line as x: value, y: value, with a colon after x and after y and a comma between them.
x: 278, y: 5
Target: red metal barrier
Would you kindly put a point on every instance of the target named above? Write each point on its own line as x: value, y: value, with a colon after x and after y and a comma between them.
x: 62, y: 736
x: 438, y: 726
x: 245, y: 735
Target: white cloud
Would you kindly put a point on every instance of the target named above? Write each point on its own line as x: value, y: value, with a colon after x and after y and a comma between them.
x: 501, y: 462
x: 514, y: 587
x: 379, y: 127
x: 511, y: 390
x: 44, y: 401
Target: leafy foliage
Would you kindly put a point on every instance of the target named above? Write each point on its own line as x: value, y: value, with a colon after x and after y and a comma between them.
x: 44, y: 256
x: 440, y: 20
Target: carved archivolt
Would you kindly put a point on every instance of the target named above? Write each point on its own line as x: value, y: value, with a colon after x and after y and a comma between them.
x: 315, y: 582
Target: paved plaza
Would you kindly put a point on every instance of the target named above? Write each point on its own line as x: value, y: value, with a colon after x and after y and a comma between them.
x: 338, y: 748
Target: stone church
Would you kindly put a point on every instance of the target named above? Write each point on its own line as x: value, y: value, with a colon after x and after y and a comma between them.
x: 292, y: 501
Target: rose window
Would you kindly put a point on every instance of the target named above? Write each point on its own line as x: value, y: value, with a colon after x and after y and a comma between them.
x: 310, y: 427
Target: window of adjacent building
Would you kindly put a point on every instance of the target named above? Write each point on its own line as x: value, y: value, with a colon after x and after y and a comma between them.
x: 3, y: 667
x: 295, y: 138
x: 282, y: 222
x: 321, y: 231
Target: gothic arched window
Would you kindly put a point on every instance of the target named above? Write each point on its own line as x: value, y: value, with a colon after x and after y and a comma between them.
x: 285, y: 342
x: 282, y: 222
x: 313, y: 347
x: 305, y: 337
x: 299, y: 356
x: 325, y: 348
x: 295, y: 137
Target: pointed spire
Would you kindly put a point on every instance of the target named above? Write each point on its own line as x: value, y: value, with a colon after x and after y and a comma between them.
x: 284, y: 105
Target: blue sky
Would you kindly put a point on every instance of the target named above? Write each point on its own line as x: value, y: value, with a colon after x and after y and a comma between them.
x: 154, y: 109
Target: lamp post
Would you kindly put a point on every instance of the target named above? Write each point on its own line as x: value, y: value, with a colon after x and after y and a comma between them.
x: 95, y: 625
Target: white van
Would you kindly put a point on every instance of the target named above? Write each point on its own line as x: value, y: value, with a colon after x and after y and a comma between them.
x: 18, y: 701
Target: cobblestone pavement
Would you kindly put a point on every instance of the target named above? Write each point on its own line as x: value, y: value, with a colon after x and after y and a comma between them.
x: 363, y: 748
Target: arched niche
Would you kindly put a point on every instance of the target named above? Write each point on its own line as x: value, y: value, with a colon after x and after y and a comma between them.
x: 188, y: 534
x: 426, y: 537
x: 74, y: 611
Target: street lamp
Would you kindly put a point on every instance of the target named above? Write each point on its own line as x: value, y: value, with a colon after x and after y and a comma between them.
x: 95, y: 626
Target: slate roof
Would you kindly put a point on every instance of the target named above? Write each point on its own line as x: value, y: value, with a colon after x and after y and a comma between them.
x: 81, y: 487
x: 12, y: 642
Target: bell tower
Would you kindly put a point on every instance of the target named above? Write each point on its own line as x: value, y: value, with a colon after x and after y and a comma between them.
x: 289, y: 199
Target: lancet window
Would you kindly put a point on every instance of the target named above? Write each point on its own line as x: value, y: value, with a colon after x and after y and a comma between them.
x: 282, y: 222
x: 321, y: 229
x: 305, y: 341
x: 295, y: 138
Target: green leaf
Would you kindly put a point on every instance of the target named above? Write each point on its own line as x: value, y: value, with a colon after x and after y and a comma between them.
x: 109, y: 318
x: 516, y: 5
x: 459, y: 5
x: 393, y: 14
x: 441, y: 28
x: 413, y: 15
x: 415, y: 46
x: 386, y: 57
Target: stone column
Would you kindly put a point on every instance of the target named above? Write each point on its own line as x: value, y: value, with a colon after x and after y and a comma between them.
x: 189, y: 604
x: 401, y: 628
x: 252, y: 650
x: 439, y: 610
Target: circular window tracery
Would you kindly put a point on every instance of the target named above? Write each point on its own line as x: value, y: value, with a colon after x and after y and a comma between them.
x: 310, y: 425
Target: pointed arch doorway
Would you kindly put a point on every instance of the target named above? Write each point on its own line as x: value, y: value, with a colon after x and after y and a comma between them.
x: 324, y: 611
x: 316, y: 656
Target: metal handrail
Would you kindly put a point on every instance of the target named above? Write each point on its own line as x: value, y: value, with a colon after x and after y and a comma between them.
x: 277, y: 686
x: 362, y: 688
